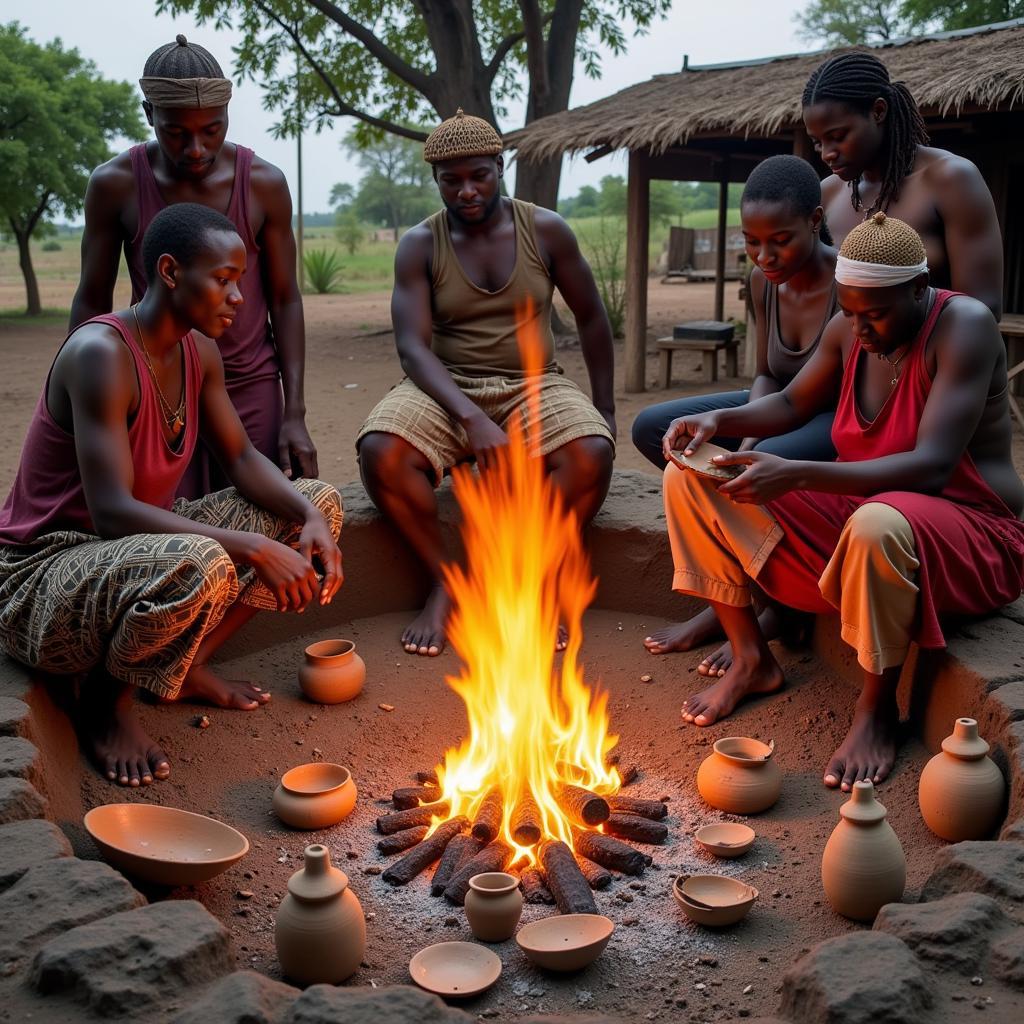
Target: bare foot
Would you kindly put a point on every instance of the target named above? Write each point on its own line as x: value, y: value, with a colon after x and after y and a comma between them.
x: 684, y: 636
x: 743, y: 679
x: 869, y: 750
x: 426, y: 633
x: 773, y: 625
x: 203, y: 685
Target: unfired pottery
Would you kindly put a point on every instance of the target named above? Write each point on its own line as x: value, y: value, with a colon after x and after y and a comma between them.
x: 863, y: 866
x: 726, y: 839
x: 493, y: 905
x: 320, y: 932
x: 740, y: 776
x: 332, y: 672
x: 455, y: 970
x: 565, y: 943
x: 961, y: 793
x: 715, y: 901
x: 701, y: 462
x: 315, y: 795
x: 164, y: 845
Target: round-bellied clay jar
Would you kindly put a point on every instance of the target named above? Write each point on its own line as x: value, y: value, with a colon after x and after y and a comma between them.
x: 320, y: 932
x: 332, y: 672
x: 494, y: 905
x: 740, y: 776
x: 962, y: 792
x: 315, y: 795
x: 863, y: 866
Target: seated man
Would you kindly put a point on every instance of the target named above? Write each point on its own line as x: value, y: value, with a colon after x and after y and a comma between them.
x: 100, y: 575
x: 920, y: 516
x: 462, y: 280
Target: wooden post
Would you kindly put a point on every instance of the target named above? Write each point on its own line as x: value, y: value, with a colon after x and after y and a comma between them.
x: 723, y: 213
x: 300, y: 242
x: 637, y: 240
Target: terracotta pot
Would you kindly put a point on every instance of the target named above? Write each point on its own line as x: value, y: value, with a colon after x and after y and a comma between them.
x: 740, y: 776
x: 961, y: 792
x: 863, y: 866
x: 494, y: 905
x: 315, y: 795
x: 320, y: 932
x: 333, y: 672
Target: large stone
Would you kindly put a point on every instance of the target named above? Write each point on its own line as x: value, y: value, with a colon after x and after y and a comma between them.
x: 243, y: 997
x: 55, y: 896
x: 954, y: 931
x: 399, y: 1004
x: 19, y: 800
x: 996, y: 869
x: 130, y: 961
x: 14, y: 716
x: 24, y: 844
x: 861, y: 978
x: 1007, y: 959
x: 19, y: 759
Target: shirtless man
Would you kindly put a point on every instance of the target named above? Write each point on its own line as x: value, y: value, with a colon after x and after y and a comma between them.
x: 190, y: 162
x: 462, y: 279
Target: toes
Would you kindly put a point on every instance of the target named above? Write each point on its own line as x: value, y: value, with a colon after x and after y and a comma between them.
x: 159, y: 763
x: 850, y: 776
x: 110, y: 768
x: 882, y: 771
x: 834, y: 772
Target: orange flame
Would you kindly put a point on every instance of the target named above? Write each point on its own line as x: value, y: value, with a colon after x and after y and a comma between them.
x: 532, y: 725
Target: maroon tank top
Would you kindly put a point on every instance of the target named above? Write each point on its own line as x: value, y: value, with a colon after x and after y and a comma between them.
x: 247, y: 346
x: 48, y: 496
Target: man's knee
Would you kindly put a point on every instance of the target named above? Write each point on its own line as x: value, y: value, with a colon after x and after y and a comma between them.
x: 200, y: 564
x: 382, y: 456
x: 876, y: 526
x: 647, y: 429
x: 326, y: 498
x: 590, y: 460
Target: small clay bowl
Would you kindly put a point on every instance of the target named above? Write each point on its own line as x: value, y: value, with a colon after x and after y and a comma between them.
x: 455, y: 970
x: 164, y: 845
x: 714, y: 900
x: 726, y: 838
x: 565, y: 943
x: 315, y: 795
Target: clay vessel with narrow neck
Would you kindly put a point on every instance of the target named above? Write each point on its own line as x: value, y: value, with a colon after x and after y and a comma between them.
x: 863, y: 866
x: 332, y: 672
x: 320, y: 931
x: 740, y: 776
x: 962, y: 792
x: 494, y: 905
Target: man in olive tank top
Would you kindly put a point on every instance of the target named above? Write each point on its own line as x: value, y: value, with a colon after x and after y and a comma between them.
x: 463, y: 280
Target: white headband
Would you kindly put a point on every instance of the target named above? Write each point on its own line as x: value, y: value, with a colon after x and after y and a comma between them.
x: 875, y: 275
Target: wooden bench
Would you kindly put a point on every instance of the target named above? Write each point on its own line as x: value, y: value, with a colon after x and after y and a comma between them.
x: 708, y: 337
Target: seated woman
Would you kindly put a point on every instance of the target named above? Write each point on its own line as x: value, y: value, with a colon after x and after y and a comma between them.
x: 101, y: 577
x: 919, y: 517
x: 793, y: 293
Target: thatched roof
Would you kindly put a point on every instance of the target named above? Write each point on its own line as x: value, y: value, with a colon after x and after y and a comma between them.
x: 946, y: 72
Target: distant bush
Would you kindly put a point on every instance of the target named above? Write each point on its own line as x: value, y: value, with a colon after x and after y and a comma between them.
x: 323, y: 270
x: 52, y: 246
x: 604, y: 248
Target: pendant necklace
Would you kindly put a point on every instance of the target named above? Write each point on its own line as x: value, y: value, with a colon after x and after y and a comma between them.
x: 174, y: 418
x: 894, y: 365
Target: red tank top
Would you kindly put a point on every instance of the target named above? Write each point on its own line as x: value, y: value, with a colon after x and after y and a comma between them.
x: 247, y: 346
x: 48, y: 496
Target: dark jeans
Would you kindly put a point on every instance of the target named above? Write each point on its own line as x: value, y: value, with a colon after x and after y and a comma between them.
x: 812, y: 441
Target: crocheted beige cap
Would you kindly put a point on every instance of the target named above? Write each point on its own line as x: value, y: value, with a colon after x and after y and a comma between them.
x: 460, y: 136
x: 884, y: 240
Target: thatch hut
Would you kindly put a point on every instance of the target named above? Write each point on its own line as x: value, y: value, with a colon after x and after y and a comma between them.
x: 714, y: 123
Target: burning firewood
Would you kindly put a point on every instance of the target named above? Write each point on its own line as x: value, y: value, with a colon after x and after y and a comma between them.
x: 487, y: 824
x: 582, y: 806
x: 494, y: 857
x: 460, y: 850
x: 534, y: 889
x: 565, y: 880
x: 629, y: 774
x: 427, y: 778
x: 597, y: 877
x: 419, y: 857
x: 653, y: 809
x: 525, y: 825
x: 413, y: 796
x: 399, y: 841
x: 611, y: 853
x: 389, y: 823
x: 640, y: 830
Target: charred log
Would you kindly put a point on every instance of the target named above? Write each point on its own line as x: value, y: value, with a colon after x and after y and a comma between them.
x: 404, y: 871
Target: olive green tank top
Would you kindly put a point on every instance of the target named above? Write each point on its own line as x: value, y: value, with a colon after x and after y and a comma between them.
x: 474, y: 330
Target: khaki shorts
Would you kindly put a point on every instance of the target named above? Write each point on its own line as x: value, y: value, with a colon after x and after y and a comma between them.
x: 565, y: 415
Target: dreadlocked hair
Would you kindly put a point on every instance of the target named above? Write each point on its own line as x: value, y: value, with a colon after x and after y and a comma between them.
x: 857, y: 79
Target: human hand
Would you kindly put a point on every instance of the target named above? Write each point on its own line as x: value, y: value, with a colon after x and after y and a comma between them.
x: 692, y: 431
x: 295, y: 447
x: 748, y: 444
x: 764, y: 478
x: 287, y: 574
x: 486, y: 439
x: 316, y: 541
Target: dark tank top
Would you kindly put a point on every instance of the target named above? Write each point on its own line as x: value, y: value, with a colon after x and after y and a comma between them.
x: 48, y: 496
x: 247, y: 346
x: 784, y: 363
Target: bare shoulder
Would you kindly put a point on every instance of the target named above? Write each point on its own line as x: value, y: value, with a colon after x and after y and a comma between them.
x: 416, y: 246
x: 95, y: 352
x: 551, y: 226
x: 113, y: 182
x: 950, y: 175
x: 832, y: 188
x: 968, y: 325
x: 756, y: 286
x: 268, y: 179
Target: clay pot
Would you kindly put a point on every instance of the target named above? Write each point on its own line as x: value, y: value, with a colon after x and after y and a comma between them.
x: 494, y: 905
x: 568, y: 942
x: 961, y: 792
x: 863, y: 866
x: 315, y: 795
x: 320, y: 932
x: 332, y: 673
x: 740, y: 777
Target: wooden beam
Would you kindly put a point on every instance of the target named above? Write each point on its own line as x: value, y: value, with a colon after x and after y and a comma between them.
x: 638, y: 211
x: 723, y: 214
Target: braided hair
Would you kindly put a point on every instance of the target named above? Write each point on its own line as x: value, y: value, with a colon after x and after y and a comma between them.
x: 856, y: 80
x: 790, y: 180
x: 182, y: 59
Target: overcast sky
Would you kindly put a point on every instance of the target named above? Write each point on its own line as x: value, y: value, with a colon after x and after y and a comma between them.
x: 119, y: 34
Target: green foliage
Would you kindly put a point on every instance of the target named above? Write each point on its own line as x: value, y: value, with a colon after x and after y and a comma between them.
x: 583, y: 204
x: 954, y: 14
x: 670, y: 201
x: 348, y: 231
x: 342, y: 195
x: 606, y: 249
x: 323, y: 270
x: 397, y: 188
x: 52, y: 246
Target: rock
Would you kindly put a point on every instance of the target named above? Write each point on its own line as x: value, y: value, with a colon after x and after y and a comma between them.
x: 996, y: 869
x: 24, y: 844
x: 576, y: 1018
x: 135, y: 959
x: 861, y: 978
x: 19, y: 759
x: 14, y: 718
x: 57, y: 895
x: 954, y: 931
x: 399, y: 1004
x: 1007, y: 959
x: 19, y: 800
x: 243, y: 997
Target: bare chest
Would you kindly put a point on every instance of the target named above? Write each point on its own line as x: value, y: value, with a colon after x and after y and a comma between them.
x: 487, y: 261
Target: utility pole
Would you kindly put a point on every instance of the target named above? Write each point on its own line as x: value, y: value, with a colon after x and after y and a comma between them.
x: 298, y: 137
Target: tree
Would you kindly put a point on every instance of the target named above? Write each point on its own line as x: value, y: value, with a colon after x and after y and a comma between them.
x: 954, y: 14
x: 388, y: 62
x: 342, y: 196
x: 611, y: 200
x: 852, y: 22
x: 57, y: 118
x: 348, y: 231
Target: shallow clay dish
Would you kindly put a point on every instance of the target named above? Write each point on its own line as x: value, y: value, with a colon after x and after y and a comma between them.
x: 315, y: 795
x: 456, y: 970
x: 714, y: 900
x: 726, y: 838
x: 701, y: 464
x: 565, y: 943
x: 164, y: 844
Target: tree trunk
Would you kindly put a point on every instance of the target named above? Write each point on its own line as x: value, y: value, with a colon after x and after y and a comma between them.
x: 33, y: 306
